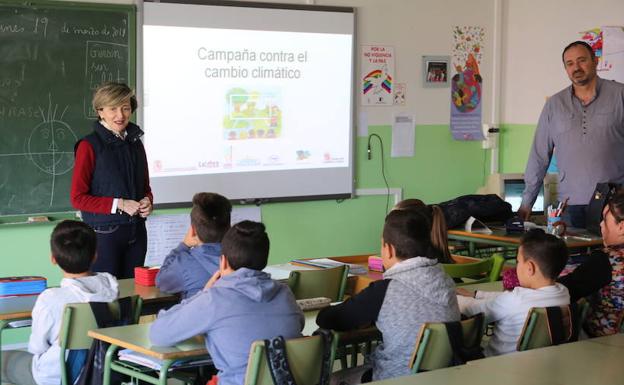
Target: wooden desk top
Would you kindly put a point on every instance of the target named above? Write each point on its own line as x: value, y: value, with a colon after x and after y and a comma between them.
x: 583, y: 362
x: 485, y: 286
x: 13, y: 308
x: 136, y: 337
x: 357, y: 283
x: 127, y: 287
x: 614, y: 340
x: 501, y: 236
x: 593, y: 361
x: 14, y: 316
x: 21, y: 307
x: 456, y: 375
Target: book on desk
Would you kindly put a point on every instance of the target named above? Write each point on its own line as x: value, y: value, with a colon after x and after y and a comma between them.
x: 134, y: 357
x: 327, y: 263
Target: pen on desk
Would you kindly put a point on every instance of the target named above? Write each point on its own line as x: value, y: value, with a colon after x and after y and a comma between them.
x: 580, y: 238
x: 565, y: 205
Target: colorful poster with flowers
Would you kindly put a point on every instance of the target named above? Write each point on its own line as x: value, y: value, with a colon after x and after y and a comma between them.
x: 377, y: 75
x: 466, y: 83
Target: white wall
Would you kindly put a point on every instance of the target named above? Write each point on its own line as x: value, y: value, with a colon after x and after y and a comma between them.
x: 415, y: 28
x: 535, y: 33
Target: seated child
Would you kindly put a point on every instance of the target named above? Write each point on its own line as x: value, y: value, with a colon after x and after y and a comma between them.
x: 73, y: 250
x: 415, y: 289
x: 439, y: 230
x: 189, y: 266
x: 239, y: 305
x: 541, y: 257
x: 607, y: 308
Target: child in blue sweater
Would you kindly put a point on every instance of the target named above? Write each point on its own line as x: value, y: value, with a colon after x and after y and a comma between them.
x: 189, y: 266
x: 240, y: 304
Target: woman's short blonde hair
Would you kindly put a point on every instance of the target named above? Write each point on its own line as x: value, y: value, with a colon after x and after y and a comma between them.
x: 113, y: 95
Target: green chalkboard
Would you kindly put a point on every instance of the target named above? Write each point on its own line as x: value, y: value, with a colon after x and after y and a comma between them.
x: 52, y: 56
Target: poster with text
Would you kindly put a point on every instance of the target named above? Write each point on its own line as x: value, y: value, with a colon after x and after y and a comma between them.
x: 377, y: 75
x: 466, y: 83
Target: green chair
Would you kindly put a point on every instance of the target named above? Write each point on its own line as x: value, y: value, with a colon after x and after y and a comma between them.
x: 433, y: 348
x: 353, y: 342
x: 538, y: 332
x: 305, y: 357
x: 330, y: 283
x: 487, y: 270
x: 78, y: 319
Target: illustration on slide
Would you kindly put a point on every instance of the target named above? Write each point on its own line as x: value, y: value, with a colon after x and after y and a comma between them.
x: 252, y: 115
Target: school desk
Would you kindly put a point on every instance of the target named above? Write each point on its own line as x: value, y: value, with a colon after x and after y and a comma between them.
x: 20, y: 308
x: 500, y: 238
x: 15, y: 308
x: 136, y: 337
x: 12, y: 310
x: 485, y: 286
x: 595, y: 361
x: 357, y: 283
x: 153, y: 298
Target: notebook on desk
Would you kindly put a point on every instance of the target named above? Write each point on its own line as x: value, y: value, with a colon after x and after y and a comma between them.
x: 129, y: 355
x: 326, y: 263
x: 474, y: 225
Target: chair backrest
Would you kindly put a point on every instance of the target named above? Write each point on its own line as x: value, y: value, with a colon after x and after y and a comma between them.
x: 330, y: 283
x: 539, y: 331
x: 433, y: 347
x: 78, y: 319
x: 487, y: 270
x: 305, y: 357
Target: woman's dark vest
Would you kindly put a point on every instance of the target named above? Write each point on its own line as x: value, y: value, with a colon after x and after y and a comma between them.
x: 120, y: 171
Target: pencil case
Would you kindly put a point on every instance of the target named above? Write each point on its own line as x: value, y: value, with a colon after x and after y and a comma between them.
x: 375, y: 264
x: 23, y: 285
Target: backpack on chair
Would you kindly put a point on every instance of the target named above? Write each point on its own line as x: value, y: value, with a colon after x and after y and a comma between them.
x: 93, y: 371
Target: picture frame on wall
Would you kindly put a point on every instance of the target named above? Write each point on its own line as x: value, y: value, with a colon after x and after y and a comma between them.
x: 436, y: 71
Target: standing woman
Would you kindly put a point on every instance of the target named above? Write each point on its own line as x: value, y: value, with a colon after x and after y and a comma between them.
x: 110, y: 184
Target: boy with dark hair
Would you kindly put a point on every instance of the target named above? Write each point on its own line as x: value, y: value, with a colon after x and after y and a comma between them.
x: 240, y: 304
x: 415, y: 289
x: 73, y: 246
x: 189, y: 266
x: 541, y: 257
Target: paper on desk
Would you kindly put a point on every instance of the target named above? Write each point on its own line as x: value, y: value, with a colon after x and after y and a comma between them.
x: 165, y: 232
x: 403, y: 135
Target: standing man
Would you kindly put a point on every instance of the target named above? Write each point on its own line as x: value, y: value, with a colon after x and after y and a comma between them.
x: 585, y: 123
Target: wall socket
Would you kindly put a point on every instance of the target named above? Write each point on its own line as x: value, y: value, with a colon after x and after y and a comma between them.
x: 491, y: 136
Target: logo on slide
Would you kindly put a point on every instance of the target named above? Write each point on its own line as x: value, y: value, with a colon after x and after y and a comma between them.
x: 252, y: 114
x: 303, y: 154
x: 328, y: 158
